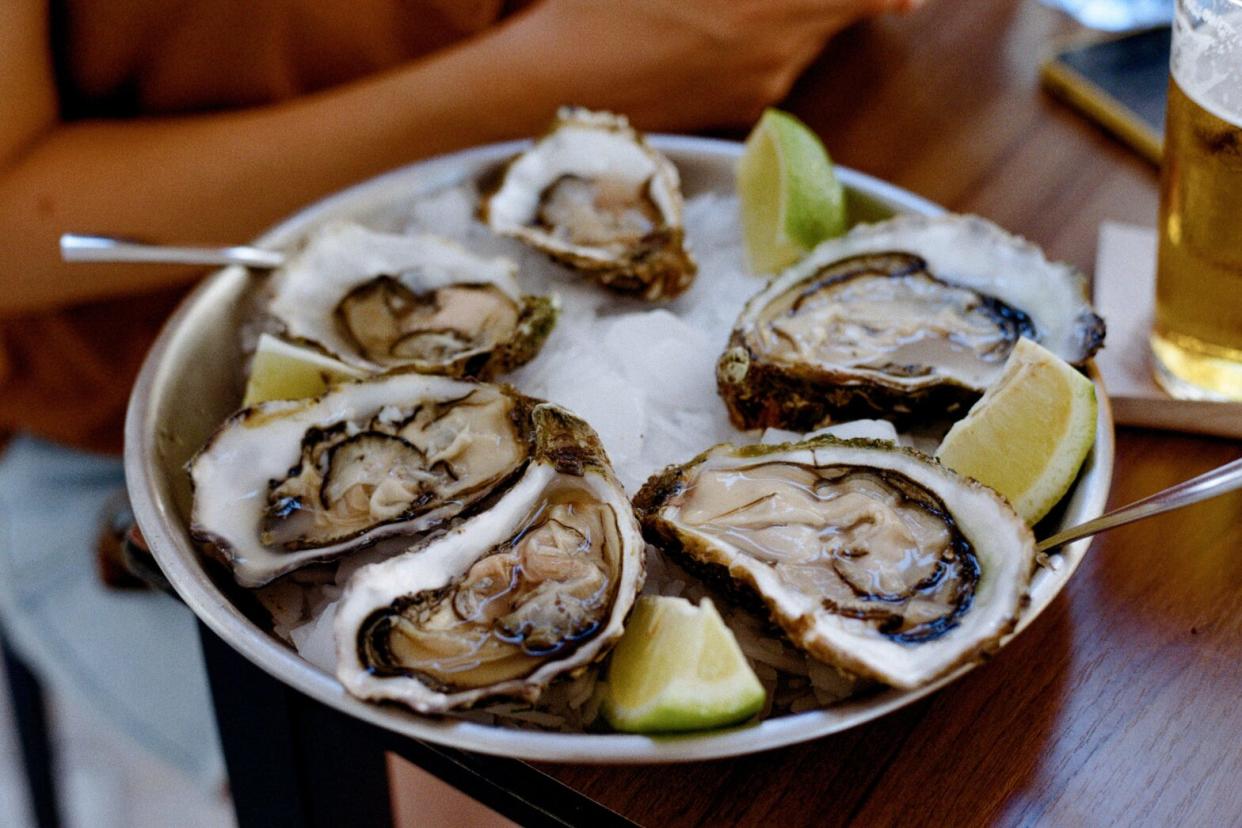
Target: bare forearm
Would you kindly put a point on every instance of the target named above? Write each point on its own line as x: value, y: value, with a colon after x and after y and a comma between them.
x: 669, y: 64
x: 224, y: 177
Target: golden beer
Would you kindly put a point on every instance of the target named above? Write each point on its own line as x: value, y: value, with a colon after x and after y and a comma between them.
x: 1197, y: 337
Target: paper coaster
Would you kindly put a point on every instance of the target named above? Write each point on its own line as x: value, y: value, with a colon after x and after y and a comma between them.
x: 1125, y: 284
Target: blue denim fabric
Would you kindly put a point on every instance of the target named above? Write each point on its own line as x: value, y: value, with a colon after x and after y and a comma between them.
x: 132, y: 657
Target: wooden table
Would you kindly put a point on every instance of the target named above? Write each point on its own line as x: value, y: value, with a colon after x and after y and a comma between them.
x: 1122, y: 703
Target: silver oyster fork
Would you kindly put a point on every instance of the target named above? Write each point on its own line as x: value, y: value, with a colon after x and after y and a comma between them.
x: 76, y: 247
x: 1217, y: 482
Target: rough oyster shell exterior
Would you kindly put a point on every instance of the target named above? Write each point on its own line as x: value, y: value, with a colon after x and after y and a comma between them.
x: 963, y: 251
x: 567, y: 456
x: 236, y: 474
x: 343, y: 258
x: 588, y: 145
x: 1003, y: 544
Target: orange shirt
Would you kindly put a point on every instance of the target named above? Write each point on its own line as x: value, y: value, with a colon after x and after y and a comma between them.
x: 65, y: 374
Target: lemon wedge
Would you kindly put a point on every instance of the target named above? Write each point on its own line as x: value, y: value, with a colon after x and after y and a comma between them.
x: 1029, y: 433
x: 284, y: 371
x: 677, y: 668
x: 791, y: 199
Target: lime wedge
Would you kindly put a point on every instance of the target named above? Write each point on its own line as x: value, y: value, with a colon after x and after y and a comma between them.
x: 284, y: 371
x: 791, y: 199
x: 678, y: 667
x: 1029, y: 433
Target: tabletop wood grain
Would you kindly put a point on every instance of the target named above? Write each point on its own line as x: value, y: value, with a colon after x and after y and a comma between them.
x: 1122, y: 703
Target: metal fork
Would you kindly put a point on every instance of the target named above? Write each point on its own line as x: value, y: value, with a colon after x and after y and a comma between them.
x: 83, y: 248
x: 1217, y: 482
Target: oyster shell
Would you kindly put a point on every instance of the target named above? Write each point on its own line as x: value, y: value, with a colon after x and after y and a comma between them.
x: 873, y: 558
x: 535, y: 586
x: 380, y: 301
x: 912, y: 316
x: 592, y: 194
x: 284, y: 484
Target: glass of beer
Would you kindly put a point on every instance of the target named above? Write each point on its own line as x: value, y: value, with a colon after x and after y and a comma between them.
x: 1197, y: 336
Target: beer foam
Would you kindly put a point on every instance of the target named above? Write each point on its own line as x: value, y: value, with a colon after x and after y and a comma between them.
x: 1207, y: 56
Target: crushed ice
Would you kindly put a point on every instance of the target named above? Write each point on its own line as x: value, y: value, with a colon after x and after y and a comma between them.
x: 643, y: 377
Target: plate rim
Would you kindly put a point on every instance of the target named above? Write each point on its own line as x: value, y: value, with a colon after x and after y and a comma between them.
x: 180, y: 561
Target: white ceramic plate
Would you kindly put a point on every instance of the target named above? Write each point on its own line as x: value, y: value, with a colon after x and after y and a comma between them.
x: 188, y: 385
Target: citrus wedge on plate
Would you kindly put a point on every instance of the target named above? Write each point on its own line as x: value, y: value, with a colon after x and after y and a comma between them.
x: 678, y: 668
x: 791, y: 199
x: 284, y: 371
x: 1029, y: 433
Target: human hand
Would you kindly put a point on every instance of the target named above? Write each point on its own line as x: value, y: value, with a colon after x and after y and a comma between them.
x: 688, y: 64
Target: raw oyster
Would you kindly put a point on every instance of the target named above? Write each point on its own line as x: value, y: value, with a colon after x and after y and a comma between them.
x: 535, y: 586
x: 873, y: 558
x: 284, y: 484
x: 380, y: 301
x: 912, y: 316
x: 592, y: 194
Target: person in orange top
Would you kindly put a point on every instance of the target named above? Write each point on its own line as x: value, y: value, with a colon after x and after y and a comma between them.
x: 208, y: 121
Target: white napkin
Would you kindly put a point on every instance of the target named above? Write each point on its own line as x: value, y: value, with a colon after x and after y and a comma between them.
x: 1125, y: 283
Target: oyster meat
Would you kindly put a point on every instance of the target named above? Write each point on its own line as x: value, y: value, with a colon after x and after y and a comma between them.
x: 912, y: 316
x: 870, y: 557
x: 535, y: 586
x: 379, y: 301
x: 284, y: 484
x: 592, y: 194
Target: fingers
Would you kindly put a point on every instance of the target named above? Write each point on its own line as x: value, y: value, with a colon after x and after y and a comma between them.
x: 901, y: 6
x: 876, y: 7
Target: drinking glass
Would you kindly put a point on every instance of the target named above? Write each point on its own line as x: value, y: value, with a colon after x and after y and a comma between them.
x: 1197, y: 336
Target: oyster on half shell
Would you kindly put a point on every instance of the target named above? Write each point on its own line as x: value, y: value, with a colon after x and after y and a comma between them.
x: 535, y: 586
x: 284, y: 484
x: 873, y: 558
x: 593, y: 195
x: 382, y: 301
x: 911, y: 316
